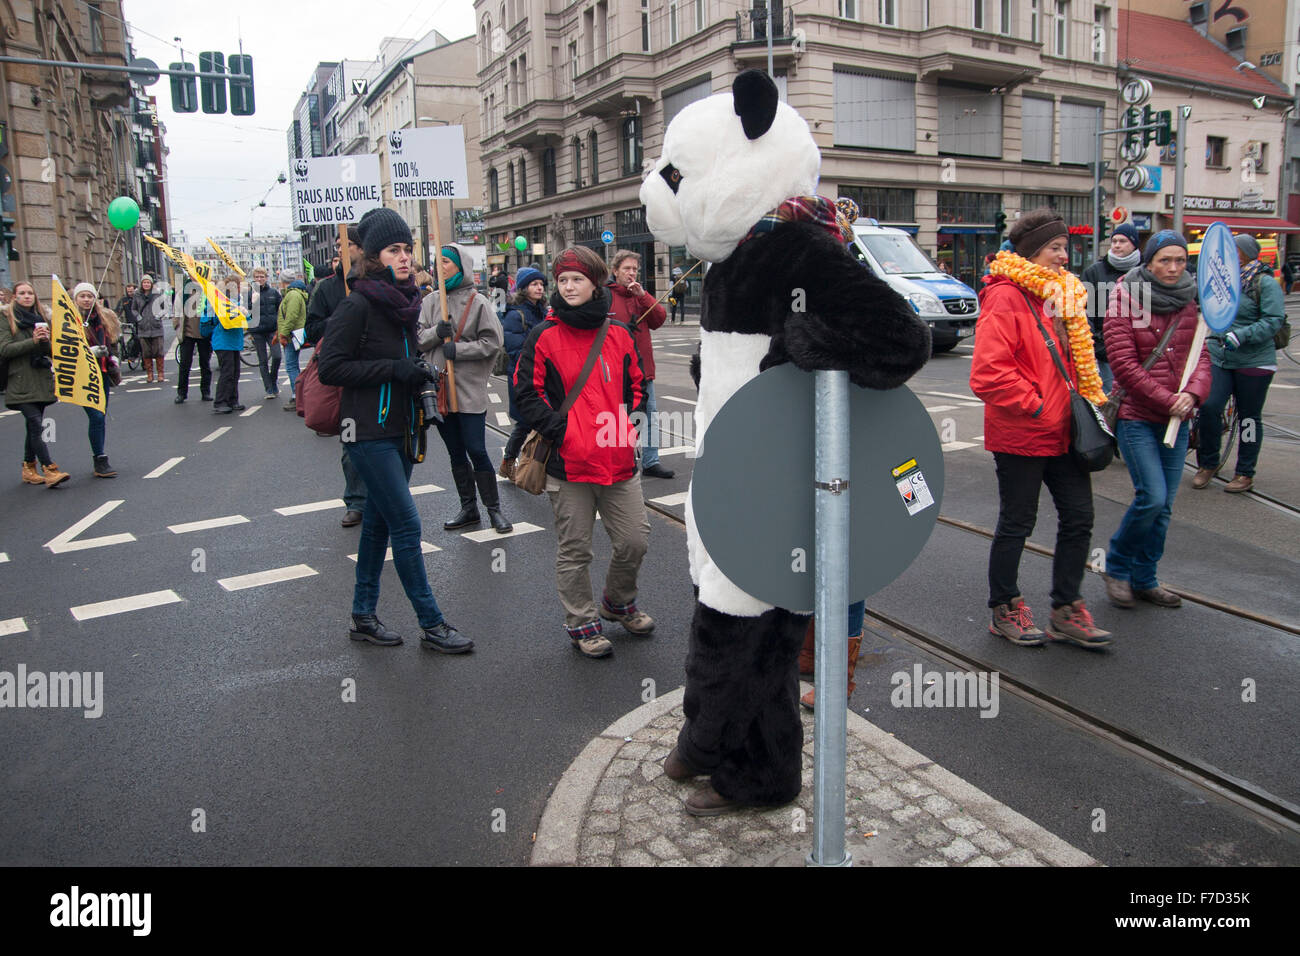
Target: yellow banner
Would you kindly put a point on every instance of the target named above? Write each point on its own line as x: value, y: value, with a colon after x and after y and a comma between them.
x: 234, y: 266
x: 228, y: 314
x: 77, y: 376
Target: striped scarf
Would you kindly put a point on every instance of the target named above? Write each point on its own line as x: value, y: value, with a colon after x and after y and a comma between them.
x: 815, y: 209
x: 1251, y: 272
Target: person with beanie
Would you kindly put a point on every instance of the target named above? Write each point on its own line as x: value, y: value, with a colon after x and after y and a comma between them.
x: 1148, y: 301
x: 193, y: 335
x: 592, y: 463
x: 637, y: 309
x: 1100, y: 278
x: 1029, y: 299
x: 324, y: 299
x: 370, y: 350
x: 227, y: 343
x: 102, y: 330
x: 151, y: 308
x: 25, y: 345
x: 526, y: 311
x: 470, y: 337
x: 263, y: 305
x: 1243, y: 361
x: 292, y: 316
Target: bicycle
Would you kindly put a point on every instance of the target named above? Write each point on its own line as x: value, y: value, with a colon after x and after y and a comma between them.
x: 1227, y: 447
x: 128, y: 347
x: 248, y: 356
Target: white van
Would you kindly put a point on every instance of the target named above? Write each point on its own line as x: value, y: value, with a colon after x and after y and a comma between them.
x: 949, y: 307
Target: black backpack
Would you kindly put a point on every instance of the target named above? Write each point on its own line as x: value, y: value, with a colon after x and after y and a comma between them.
x: 1282, y: 337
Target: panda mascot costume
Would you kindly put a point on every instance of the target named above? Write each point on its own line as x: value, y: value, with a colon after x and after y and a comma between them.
x: 736, y: 185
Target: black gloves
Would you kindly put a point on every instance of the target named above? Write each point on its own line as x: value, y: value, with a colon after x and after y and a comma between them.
x: 409, y: 372
x: 449, y: 350
x: 443, y: 329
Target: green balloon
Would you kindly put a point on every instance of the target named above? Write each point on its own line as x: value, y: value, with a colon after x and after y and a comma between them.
x: 521, y: 243
x: 123, y: 213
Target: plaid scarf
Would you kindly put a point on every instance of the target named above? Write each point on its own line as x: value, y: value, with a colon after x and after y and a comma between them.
x: 815, y: 209
x: 1251, y: 272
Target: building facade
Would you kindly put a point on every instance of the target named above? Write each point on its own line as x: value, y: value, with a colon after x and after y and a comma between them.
x: 305, y: 139
x: 272, y: 253
x: 935, y: 115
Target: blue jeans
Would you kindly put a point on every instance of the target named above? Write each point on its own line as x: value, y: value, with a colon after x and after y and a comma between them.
x: 291, y: 364
x: 462, y: 433
x: 1138, y: 545
x: 1107, y: 376
x: 97, y: 428
x: 650, y: 452
x: 354, y: 489
x: 390, y: 514
x: 857, y: 614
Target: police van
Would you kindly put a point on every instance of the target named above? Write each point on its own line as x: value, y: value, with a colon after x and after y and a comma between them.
x: 949, y: 307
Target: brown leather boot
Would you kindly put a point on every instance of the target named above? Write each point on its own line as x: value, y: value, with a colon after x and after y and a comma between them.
x: 159, y: 373
x: 30, y: 475
x: 1239, y: 484
x: 1202, y: 477
x: 507, y: 470
x: 148, y: 370
x: 54, y: 477
x: 809, y: 699
x: 808, y: 653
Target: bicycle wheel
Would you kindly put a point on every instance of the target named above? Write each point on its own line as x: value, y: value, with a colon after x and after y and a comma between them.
x: 249, y: 354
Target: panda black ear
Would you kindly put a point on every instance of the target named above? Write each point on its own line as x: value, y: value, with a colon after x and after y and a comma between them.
x: 755, y: 99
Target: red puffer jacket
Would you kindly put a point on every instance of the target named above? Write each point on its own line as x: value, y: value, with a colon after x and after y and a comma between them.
x: 1026, y: 401
x: 1131, y: 336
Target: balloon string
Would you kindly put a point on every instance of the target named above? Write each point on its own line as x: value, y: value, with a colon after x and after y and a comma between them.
x: 111, y: 252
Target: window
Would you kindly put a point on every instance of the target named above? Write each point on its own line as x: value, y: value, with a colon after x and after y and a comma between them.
x: 925, y: 19
x: 589, y: 39
x: 1037, y: 114
x: 602, y: 31
x: 1033, y: 22
x: 957, y: 208
x: 586, y: 232
x: 573, y: 60
x: 96, y: 28
x: 1216, y: 148
x: 1196, y: 13
x: 494, y: 195
x: 1060, y: 28
x: 1100, y: 33
x: 977, y: 14
x: 521, y: 94
x: 875, y: 111
x: 511, y: 85
x: 970, y: 122
x: 548, y: 171
x: 511, y: 179
x: 679, y: 99
x: 1005, y: 25
x: 1235, y: 40
x: 672, y: 21
x: 577, y: 163
x: 1073, y: 209
x: 699, y: 15
x: 632, y: 146
x: 1079, y: 125
x: 593, y: 158
x: 523, y: 182
x: 848, y: 9
x: 1261, y: 159
x: 645, y: 26
x: 882, y: 204
x: 888, y: 13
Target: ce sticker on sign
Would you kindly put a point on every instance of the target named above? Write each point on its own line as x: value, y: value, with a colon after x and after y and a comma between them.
x: 910, y: 482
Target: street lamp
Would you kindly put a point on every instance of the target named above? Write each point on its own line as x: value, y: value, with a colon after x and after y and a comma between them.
x: 451, y: 203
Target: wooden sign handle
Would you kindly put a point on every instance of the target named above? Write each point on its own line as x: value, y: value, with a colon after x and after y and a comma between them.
x: 1193, y: 358
x: 442, y: 297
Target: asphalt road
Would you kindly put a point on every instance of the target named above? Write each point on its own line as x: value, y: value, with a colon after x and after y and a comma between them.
x: 232, y: 702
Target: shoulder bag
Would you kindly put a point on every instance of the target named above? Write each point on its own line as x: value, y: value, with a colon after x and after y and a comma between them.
x: 1092, y: 443
x: 444, y: 394
x: 530, y: 466
x: 317, y: 404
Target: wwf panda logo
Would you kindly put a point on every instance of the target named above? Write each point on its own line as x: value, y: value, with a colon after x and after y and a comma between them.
x: 300, y: 168
x: 395, y: 140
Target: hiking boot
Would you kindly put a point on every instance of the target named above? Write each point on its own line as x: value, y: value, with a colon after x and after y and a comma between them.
x: 445, y: 639
x: 633, y: 621
x: 102, y: 468
x: 468, y: 514
x: 1202, y: 477
x: 1119, y: 592
x: 367, y: 627
x: 507, y: 469
x: 809, y: 700
x: 487, y: 491
x: 53, y: 477
x: 1015, y: 622
x: 30, y: 475
x: 1161, y: 597
x: 1073, y: 623
x: 180, y: 399
x: 290, y: 406
x: 658, y: 471
x: 351, y: 518
x: 595, y: 646
x: 676, y: 767
x: 707, y: 802
x: 1239, y: 484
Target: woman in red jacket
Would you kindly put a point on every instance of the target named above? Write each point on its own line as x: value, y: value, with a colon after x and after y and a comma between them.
x: 1028, y: 297
x: 593, y: 458
x: 1133, y: 329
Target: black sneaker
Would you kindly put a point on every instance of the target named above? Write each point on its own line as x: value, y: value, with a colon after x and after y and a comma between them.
x: 180, y: 399
x: 658, y: 471
x: 237, y: 408
x: 445, y: 639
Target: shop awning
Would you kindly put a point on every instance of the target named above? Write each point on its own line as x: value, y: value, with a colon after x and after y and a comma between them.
x: 1241, y: 224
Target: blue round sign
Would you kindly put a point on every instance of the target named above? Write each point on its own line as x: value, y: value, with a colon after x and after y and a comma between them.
x: 607, y: 237
x: 1218, y: 277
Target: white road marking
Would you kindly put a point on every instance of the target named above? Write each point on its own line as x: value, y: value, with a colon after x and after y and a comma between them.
x: 684, y: 355
x: 977, y: 438
x: 1274, y: 385
x: 425, y: 489
x: 222, y: 522
x: 674, y: 398
x: 964, y: 398
x: 487, y: 534
x: 670, y: 501
x: 939, y: 408
x: 136, y: 602
x: 312, y: 506
x: 3, y: 557
x: 503, y: 419
x: 494, y: 398
x: 155, y: 388
x: 958, y: 445
x: 425, y: 548
x: 63, y: 542
x: 971, y: 404
x: 15, y: 625
x: 252, y: 410
x: 273, y: 576
x: 216, y: 434
x: 166, y: 466
x: 7, y: 414
x: 676, y: 450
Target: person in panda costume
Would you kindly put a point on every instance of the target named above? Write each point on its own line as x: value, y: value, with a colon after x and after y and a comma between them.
x: 736, y: 185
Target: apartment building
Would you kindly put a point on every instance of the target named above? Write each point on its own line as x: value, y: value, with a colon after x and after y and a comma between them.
x: 306, y: 138
x: 935, y: 115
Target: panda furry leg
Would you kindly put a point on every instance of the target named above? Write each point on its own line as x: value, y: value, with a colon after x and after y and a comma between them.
x: 742, y: 704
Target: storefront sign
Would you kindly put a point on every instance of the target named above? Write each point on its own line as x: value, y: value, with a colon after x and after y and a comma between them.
x: 1217, y: 204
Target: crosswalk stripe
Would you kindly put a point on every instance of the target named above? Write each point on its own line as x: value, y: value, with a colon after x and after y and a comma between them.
x: 136, y: 602
x: 15, y: 625
x: 425, y: 548
x: 154, y: 388
x: 494, y: 398
x: 260, y: 578
x: 63, y: 542
x: 216, y: 434
x: 676, y: 450
x: 252, y: 410
x: 309, y: 507
x: 503, y: 419
x: 204, y: 525
x: 958, y: 445
x: 425, y: 489
x: 3, y: 557
x: 940, y: 408
x: 674, y: 398
x: 669, y: 501
x: 165, y: 467
x: 487, y: 534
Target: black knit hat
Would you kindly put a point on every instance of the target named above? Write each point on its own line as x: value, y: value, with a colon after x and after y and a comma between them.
x: 380, y: 228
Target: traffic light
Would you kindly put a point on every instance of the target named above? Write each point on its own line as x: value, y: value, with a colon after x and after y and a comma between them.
x: 1164, y: 135
x: 1104, y: 232
x: 212, y: 92
x: 241, y: 84
x: 1148, y: 117
x: 8, y: 205
x: 1000, y: 220
x: 1132, y: 117
x: 185, y: 98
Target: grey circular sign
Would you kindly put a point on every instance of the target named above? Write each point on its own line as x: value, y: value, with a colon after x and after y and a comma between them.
x: 1133, y: 178
x: 144, y: 63
x: 752, y: 491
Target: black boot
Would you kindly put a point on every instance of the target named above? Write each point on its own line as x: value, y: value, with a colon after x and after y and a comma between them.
x: 487, y: 490
x: 468, y: 502
x: 367, y: 628
x: 445, y: 639
x: 102, y: 467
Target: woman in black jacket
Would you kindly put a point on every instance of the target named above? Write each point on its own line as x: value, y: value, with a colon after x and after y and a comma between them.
x: 1100, y: 278
x: 370, y: 350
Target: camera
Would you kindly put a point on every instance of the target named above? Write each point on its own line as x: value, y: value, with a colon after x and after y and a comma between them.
x: 428, y: 393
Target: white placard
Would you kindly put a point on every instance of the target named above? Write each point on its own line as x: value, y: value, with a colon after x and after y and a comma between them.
x: 428, y: 163
x: 328, y: 190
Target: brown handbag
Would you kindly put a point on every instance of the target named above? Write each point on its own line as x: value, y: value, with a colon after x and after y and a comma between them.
x: 530, y: 466
x: 444, y: 392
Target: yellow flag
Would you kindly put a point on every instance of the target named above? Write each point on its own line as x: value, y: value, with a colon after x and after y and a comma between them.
x: 226, y: 258
x: 228, y: 314
x: 77, y: 376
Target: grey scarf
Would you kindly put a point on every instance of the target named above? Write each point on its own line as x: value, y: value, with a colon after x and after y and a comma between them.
x: 1164, y: 298
x: 1124, y: 263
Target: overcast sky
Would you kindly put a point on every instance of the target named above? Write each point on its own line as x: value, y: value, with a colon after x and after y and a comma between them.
x: 220, y: 166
